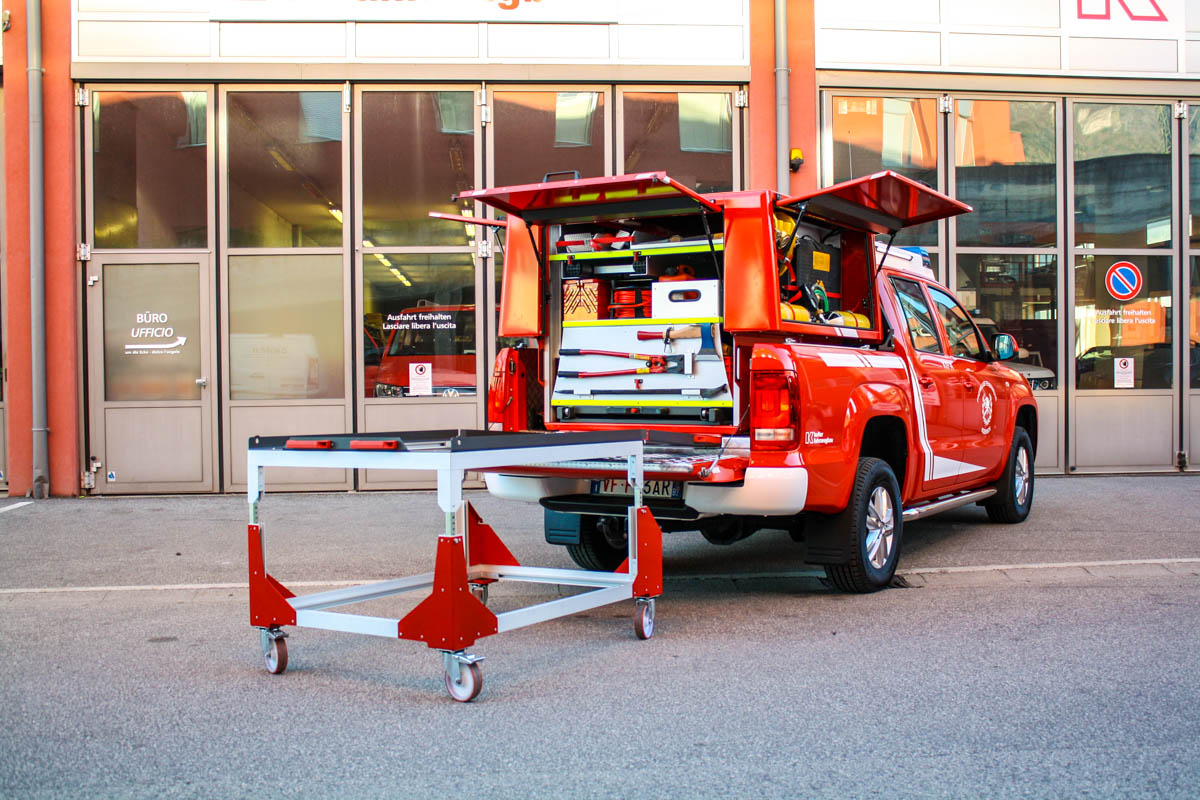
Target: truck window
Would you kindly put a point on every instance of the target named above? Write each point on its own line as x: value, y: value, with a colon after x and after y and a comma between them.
x: 964, y: 339
x: 921, y: 329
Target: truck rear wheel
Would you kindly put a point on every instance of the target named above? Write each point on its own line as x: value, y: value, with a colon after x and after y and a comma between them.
x: 872, y: 524
x: 603, y: 544
x: 1014, y: 493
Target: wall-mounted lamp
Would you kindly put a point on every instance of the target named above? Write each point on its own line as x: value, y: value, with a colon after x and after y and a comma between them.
x: 795, y: 159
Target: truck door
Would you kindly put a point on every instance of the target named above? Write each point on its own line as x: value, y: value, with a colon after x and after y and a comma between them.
x: 986, y: 405
x: 938, y: 386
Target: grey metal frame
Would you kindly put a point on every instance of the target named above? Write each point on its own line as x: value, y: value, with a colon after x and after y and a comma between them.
x: 451, y: 467
x: 1190, y: 423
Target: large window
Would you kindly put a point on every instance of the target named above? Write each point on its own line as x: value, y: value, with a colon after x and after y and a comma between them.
x: 689, y: 135
x: 150, y: 169
x: 421, y: 311
x: 418, y: 150
x: 1122, y: 160
x: 897, y: 133
x: 285, y: 169
x: 1005, y: 157
x: 540, y: 132
x: 286, y: 327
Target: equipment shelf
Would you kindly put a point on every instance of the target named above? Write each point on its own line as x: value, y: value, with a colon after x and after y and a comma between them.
x: 469, y: 556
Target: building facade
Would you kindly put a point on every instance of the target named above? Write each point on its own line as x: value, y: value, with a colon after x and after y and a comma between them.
x: 236, y: 198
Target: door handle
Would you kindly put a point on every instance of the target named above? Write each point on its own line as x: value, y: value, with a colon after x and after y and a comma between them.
x: 926, y: 383
x: 202, y: 381
x: 970, y: 386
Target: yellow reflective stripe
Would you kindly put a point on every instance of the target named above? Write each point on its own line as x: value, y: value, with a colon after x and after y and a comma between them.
x: 587, y: 323
x: 615, y: 403
x: 650, y: 251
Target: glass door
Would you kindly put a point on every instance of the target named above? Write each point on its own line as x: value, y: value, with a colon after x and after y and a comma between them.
x: 285, y: 272
x: 1125, y: 286
x: 151, y: 374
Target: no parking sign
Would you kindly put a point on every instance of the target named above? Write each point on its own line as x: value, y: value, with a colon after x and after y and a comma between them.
x: 1123, y: 280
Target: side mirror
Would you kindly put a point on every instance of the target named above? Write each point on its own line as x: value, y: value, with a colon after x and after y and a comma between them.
x: 1005, y: 346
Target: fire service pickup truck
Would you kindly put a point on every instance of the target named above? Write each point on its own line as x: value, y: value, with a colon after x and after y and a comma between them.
x: 791, y: 368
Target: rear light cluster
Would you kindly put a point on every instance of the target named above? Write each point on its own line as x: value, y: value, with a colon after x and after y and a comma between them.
x: 774, y: 411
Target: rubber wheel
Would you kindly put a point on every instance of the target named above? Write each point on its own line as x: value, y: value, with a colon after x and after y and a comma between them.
x: 596, y: 551
x: 643, y: 620
x: 872, y: 524
x: 1014, y: 493
x: 468, y: 685
x: 276, y: 657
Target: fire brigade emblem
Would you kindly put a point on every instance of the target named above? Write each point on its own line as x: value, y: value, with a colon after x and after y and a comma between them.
x: 987, y: 405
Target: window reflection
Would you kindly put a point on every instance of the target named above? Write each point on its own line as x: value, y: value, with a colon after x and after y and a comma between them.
x: 420, y: 310
x: 418, y: 149
x: 1108, y: 329
x: 541, y: 132
x: 1005, y: 165
x: 1122, y: 175
x: 1018, y: 295
x: 150, y: 167
x: 877, y: 133
x: 285, y: 169
x: 285, y: 327
x: 687, y: 135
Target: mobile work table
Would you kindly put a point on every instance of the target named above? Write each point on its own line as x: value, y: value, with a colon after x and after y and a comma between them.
x: 469, y: 554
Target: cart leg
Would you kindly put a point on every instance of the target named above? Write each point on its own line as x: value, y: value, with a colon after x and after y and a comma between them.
x: 274, y: 648
x: 643, y: 618
x: 463, y: 677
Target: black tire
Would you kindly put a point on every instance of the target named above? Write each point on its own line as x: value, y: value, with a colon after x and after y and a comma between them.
x: 600, y: 548
x: 1014, y: 493
x: 872, y: 525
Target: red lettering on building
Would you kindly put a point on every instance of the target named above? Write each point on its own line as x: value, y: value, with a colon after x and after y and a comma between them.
x: 1157, y: 16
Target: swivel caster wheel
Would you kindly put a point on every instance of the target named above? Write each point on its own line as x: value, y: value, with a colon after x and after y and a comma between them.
x: 643, y: 619
x: 463, y: 675
x: 480, y: 590
x: 275, y: 651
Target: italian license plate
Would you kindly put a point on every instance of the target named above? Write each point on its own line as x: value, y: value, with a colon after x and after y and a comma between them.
x: 672, y: 490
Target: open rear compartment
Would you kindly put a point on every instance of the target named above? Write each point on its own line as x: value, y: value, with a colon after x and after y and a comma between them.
x: 641, y: 308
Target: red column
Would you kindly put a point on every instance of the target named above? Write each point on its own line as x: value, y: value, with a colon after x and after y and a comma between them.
x: 63, y: 320
x: 802, y: 94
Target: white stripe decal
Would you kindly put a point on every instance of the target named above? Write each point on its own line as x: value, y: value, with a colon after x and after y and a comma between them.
x: 922, y: 434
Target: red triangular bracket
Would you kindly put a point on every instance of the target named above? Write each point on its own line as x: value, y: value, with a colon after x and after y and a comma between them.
x: 451, y: 618
x: 484, y: 546
x: 649, y: 579
x: 269, y: 605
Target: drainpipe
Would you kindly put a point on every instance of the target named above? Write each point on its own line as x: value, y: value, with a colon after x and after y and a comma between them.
x: 782, y: 74
x: 37, y: 249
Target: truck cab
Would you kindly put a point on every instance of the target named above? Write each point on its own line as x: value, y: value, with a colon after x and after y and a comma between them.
x: 791, y: 368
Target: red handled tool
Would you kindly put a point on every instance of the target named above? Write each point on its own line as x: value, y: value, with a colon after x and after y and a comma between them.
x: 654, y: 364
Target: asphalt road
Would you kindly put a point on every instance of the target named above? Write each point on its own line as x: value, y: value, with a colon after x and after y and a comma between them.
x: 1054, y: 658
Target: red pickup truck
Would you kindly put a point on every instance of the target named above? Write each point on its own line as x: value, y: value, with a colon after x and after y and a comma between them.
x: 796, y: 370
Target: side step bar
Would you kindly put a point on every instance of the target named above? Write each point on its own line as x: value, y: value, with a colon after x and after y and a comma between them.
x: 937, y: 506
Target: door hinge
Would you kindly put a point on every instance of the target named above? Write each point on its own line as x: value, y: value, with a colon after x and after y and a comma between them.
x: 346, y: 98
x: 1181, y: 109
x: 485, y: 111
x: 945, y: 104
x: 741, y: 99
x: 81, y: 97
x: 93, y: 280
x: 485, y: 247
x: 88, y: 476
x: 83, y: 252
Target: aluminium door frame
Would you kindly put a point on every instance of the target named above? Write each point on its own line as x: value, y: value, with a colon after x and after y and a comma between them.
x: 1175, y: 252
x: 226, y: 252
x: 94, y: 438
x: 484, y: 333
x: 1064, y: 363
